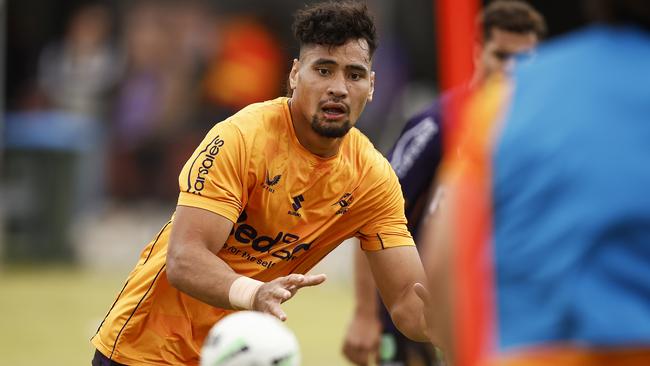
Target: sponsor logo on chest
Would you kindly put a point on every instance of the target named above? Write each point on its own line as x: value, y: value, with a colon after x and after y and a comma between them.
x: 282, y: 245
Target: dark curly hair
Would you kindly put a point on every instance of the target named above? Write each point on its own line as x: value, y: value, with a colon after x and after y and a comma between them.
x: 333, y: 23
x: 513, y: 16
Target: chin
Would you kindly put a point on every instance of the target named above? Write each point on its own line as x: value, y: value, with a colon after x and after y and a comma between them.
x: 330, y: 129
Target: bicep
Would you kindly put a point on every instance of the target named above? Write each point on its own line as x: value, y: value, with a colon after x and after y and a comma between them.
x: 198, y: 227
x: 395, y: 270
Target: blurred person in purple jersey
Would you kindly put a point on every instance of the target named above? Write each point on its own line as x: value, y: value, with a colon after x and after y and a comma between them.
x: 510, y: 28
x: 540, y: 253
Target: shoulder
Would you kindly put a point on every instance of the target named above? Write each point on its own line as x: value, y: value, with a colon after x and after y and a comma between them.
x: 431, y: 115
x: 261, y: 117
x: 568, y: 57
x: 369, y: 162
x: 417, y: 138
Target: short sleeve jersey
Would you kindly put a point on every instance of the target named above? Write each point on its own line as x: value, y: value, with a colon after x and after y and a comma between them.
x: 290, y: 208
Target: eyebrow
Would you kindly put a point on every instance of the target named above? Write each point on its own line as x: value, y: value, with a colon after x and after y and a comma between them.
x: 325, y: 61
x: 359, y: 68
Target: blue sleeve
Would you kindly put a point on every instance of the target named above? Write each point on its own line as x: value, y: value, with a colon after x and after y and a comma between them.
x: 417, y: 152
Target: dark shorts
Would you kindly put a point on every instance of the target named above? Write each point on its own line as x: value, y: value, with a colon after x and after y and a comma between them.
x: 100, y: 360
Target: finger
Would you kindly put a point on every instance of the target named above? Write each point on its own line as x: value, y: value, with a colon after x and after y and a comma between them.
x: 277, y: 312
x: 312, y: 280
x: 355, y: 355
x: 347, y: 352
x: 373, y: 348
x: 282, y: 294
x: 293, y: 279
x: 293, y: 289
x: 362, y: 350
x: 422, y: 293
x: 361, y: 357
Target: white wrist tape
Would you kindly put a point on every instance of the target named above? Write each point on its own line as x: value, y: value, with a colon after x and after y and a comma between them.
x: 242, y: 293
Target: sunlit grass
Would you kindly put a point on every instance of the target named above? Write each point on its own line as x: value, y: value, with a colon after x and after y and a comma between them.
x: 47, y: 316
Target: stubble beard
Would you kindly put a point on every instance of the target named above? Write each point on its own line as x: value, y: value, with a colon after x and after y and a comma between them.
x: 330, y: 130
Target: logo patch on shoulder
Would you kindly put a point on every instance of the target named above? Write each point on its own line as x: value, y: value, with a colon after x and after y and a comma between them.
x: 344, y: 203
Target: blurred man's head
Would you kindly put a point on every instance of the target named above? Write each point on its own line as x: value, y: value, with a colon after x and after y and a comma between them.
x: 331, y: 81
x: 509, y: 27
x: 89, y: 27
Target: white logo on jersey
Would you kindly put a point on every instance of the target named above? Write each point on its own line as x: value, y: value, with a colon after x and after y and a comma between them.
x: 411, y: 144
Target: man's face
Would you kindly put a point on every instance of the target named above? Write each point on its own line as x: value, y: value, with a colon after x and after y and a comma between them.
x: 331, y: 86
x: 498, y: 51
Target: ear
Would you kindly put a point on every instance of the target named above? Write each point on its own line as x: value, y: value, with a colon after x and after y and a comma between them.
x: 372, y: 86
x: 293, y: 75
x: 479, y: 65
x: 478, y: 54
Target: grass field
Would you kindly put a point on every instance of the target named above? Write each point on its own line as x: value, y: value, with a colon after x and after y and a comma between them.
x: 47, y: 316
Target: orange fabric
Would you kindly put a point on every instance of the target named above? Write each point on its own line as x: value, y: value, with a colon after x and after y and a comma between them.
x: 290, y: 209
x: 467, y: 173
x: 567, y: 356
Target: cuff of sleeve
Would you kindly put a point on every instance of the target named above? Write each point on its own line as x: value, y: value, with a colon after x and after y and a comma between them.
x: 225, y: 209
x: 380, y: 242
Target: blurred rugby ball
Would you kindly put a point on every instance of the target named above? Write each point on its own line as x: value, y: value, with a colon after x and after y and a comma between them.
x: 250, y: 338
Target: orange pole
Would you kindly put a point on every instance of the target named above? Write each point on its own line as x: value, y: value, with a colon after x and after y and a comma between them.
x: 456, y: 34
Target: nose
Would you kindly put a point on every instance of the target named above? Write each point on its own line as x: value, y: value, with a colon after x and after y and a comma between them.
x: 508, y: 65
x: 337, y: 87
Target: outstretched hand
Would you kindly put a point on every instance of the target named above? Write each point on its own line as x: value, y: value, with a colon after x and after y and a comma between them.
x: 271, y: 294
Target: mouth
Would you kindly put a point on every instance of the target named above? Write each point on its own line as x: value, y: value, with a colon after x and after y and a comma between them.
x: 334, y: 111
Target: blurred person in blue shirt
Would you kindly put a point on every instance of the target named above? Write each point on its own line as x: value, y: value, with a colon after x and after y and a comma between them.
x: 510, y: 28
x: 555, y: 269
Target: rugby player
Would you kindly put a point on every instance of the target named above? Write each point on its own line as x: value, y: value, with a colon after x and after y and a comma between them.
x: 268, y: 193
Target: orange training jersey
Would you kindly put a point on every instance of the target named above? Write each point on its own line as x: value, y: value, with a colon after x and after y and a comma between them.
x: 289, y: 207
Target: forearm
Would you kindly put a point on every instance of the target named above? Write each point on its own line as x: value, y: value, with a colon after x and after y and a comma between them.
x: 406, y: 314
x: 198, y: 272
x: 193, y: 266
x: 396, y: 270
x: 436, y: 234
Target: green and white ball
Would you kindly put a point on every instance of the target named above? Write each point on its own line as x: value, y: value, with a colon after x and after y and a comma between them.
x: 250, y: 338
